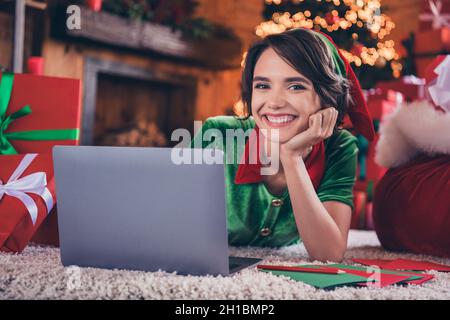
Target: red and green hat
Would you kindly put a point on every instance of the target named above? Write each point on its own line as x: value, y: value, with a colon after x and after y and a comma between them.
x: 358, y: 111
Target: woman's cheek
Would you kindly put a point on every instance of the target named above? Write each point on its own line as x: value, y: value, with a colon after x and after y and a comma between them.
x: 255, y: 107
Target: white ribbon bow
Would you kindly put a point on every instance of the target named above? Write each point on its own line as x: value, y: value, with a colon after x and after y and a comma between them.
x: 34, y: 183
x: 440, y: 88
x: 439, y: 19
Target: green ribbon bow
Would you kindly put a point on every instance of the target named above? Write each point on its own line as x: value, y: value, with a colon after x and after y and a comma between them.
x: 6, y: 147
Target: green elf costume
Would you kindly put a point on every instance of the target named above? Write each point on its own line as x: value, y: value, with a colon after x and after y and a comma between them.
x: 256, y: 217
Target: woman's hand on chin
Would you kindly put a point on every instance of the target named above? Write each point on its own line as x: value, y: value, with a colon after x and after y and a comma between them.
x: 321, y: 125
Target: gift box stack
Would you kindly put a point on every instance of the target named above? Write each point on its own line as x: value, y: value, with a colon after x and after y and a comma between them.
x: 36, y: 113
x: 410, y: 87
x: 433, y: 37
x: 381, y: 102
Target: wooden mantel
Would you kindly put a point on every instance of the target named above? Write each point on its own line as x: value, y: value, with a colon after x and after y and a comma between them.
x: 108, y: 29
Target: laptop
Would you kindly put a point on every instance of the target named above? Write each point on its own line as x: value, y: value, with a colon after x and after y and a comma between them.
x: 135, y: 208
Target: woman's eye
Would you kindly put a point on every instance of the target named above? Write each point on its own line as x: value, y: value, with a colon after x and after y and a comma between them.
x: 297, y: 87
x: 261, y: 86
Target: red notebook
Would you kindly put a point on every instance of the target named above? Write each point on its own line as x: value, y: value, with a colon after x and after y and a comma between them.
x: 404, y: 264
x: 379, y: 279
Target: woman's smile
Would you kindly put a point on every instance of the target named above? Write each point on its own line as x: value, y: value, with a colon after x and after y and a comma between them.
x: 274, y: 120
x: 282, y: 98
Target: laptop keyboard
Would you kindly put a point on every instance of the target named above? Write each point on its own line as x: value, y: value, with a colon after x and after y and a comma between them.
x: 239, y: 263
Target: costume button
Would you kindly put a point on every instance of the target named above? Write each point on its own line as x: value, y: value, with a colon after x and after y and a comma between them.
x: 277, y: 202
x: 265, y: 232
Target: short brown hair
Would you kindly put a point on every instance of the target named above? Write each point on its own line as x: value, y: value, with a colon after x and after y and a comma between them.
x: 307, y: 53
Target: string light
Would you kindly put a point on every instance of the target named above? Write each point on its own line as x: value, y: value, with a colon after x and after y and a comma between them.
x: 361, y: 13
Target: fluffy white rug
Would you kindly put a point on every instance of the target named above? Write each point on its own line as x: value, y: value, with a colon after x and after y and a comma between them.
x: 37, y: 274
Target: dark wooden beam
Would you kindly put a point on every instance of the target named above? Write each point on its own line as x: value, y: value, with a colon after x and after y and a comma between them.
x: 7, y: 6
x: 19, y: 36
x: 111, y: 30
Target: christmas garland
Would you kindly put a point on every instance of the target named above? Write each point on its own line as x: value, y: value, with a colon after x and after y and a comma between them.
x: 177, y: 14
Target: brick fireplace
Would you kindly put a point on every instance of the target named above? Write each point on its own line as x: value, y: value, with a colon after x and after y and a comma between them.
x: 127, y: 105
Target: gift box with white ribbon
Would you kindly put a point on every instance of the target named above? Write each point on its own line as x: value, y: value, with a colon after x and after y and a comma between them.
x: 27, y: 196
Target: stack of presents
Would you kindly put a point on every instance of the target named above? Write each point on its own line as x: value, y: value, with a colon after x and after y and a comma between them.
x: 433, y: 35
x: 431, y: 40
x: 381, y: 101
x: 36, y: 113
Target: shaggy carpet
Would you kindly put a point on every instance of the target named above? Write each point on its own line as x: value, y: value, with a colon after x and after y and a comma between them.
x: 38, y: 274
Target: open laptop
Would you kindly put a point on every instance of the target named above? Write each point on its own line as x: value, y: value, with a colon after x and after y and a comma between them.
x: 134, y: 208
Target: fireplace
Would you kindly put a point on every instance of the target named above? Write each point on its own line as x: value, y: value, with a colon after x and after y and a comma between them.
x: 129, y: 106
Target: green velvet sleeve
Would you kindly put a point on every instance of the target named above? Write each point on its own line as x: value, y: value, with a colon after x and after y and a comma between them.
x: 203, y: 142
x: 340, y: 173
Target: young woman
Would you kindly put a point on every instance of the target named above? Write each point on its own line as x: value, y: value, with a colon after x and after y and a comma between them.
x: 294, y: 83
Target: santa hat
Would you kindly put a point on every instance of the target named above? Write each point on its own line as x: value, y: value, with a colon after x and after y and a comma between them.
x: 399, y: 141
x: 358, y: 111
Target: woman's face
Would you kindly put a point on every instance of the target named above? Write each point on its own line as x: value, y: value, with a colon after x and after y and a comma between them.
x: 282, y: 98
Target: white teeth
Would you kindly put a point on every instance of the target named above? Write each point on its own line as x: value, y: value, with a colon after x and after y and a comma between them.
x: 282, y: 119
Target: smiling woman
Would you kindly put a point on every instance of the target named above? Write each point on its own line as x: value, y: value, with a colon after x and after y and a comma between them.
x: 295, y: 67
x: 282, y: 99
x: 296, y: 89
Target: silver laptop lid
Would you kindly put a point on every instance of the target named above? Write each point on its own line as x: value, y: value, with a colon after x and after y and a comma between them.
x: 133, y: 208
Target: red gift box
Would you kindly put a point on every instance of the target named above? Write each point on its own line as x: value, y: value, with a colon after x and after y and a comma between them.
x: 376, y: 108
x: 411, y: 88
x: 366, y: 186
x: 27, y: 194
x: 374, y: 171
x: 376, y: 94
x: 41, y: 112
x: 361, y: 185
x: 431, y: 41
x: 36, y: 65
x: 423, y: 65
x: 362, y: 218
x: 358, y: 215
x: 95, y: 5
x: 381, y: 108
x: 426, y: 16
x: 47, y: 233
x: 369, y: 216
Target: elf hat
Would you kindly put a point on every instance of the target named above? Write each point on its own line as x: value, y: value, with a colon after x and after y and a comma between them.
x: 358, y: 111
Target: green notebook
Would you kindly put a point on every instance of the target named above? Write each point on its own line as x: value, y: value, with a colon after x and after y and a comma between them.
x: 386, y: 271
x: 331, y: 281
x: 321, y: 280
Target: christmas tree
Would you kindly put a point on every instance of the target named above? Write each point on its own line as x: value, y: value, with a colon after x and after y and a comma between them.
x: 357, y: 26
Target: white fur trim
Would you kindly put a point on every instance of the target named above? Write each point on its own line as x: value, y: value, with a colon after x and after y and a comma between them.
x: 411, y: 129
